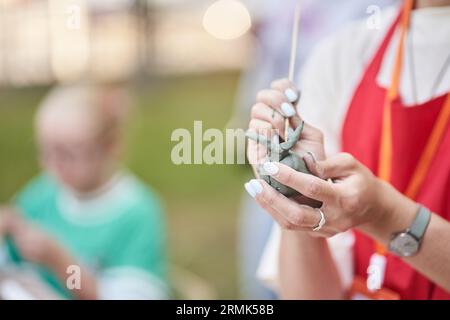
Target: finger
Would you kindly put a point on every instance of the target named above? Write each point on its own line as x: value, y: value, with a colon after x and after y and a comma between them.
x: 322, y: 233
x: 260, y: 125
x: 307, y: 184
x: 262, y: 128
x: 288, y: 89
x: 257, y: 151
x: 312, y: 165
x: 265, y: 113
x: 293, y: 95
x: 336, y: 166
x: 301, y: 199
x: 309, y: 132
x: 278, y: 101
x: 297, y: 216
x: 277, y: 216
x: 292, y: 224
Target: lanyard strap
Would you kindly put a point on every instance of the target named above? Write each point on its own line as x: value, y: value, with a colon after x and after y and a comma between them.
x: 433, y: 142
x: 385, y: 156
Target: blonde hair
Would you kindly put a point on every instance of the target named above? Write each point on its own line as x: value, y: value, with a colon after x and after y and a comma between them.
x: 106, y: 106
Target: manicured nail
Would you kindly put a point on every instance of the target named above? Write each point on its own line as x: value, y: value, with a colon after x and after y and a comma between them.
x: 271, y: 168
x: 291, y: 95
x: 288, y: 109
x: 249, y: 189
x: 316, y: 167
x: 312, y: 156
x: 257, y: 187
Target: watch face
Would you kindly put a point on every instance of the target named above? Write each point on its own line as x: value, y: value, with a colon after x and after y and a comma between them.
x: 404, y: 245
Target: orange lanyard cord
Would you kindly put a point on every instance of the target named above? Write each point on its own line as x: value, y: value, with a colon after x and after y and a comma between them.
x: 385, y: 157
x: 430, y: 150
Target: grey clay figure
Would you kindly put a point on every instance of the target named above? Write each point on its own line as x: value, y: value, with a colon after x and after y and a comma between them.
x: 281, y: 152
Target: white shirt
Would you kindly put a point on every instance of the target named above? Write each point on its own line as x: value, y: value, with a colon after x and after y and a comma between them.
x: 328, y: 83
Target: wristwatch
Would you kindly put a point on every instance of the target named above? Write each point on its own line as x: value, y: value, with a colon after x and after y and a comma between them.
x: 407, y: 243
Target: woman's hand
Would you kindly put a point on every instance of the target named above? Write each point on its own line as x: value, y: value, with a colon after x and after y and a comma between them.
x: 267, y: 118
x: 354, y: 198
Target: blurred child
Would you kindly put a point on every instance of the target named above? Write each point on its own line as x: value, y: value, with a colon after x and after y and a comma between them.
x: 85, y: 213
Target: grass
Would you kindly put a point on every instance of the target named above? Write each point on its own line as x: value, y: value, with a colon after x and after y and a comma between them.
x: 201, y: 200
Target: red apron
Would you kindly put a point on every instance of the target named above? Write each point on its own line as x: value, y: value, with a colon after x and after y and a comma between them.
x: 411, y: 127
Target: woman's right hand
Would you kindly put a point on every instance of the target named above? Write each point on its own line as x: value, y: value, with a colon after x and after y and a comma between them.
x: 267, y: 118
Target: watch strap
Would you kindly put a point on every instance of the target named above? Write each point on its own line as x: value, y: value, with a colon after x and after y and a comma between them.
x: 420, y: 223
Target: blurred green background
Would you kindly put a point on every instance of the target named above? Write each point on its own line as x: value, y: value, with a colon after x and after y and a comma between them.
x: 201, y: 201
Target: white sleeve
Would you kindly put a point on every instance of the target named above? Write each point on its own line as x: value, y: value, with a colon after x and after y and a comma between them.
x: 331, y: 74
x: 318, y: 104
x: 341, y: 248
x: 267, y: 270
x: 129, y: 283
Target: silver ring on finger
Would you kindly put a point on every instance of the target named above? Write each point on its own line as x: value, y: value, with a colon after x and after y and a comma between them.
x: 274, y: 112
x: 321, y: 222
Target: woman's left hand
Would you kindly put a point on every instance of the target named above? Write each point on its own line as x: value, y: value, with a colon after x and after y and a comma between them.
x: 354, y: 198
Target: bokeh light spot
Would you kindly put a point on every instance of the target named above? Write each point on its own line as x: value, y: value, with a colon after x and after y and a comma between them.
x: 227, y: 19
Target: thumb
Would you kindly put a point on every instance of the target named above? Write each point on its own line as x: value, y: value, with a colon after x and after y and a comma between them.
x: 309, y: 132
x: 334, y: 167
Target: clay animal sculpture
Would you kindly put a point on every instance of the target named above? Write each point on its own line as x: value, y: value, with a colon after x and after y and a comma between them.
x: 281, y: 152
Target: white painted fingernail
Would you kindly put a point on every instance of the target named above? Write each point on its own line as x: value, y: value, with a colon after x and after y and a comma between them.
x: 270, y: 168
x: 313, y: 156
x: 249, y: 189
x: 288, y: 109
x: 291, y: 95
x: 256, y: 185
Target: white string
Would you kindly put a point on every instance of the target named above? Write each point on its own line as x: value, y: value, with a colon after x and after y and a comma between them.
x: 293, y: 57
x: 294, y: 40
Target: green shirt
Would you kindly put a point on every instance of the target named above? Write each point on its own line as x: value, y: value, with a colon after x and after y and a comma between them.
x: 119, y: 234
